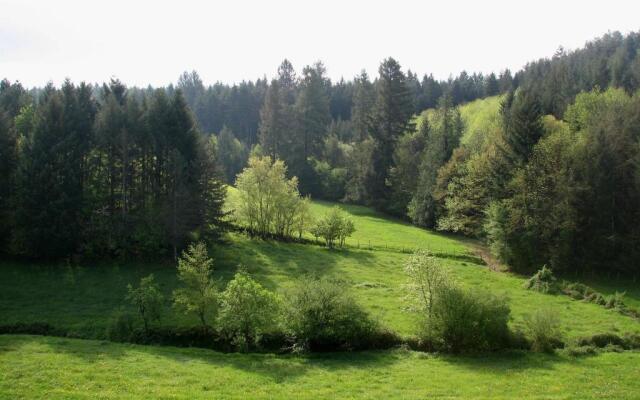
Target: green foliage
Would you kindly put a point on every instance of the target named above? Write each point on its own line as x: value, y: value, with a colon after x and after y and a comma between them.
x: 321, y: 314
x: 147, y: 299
x: 452, y: 318
x: 199, y: 294
x: 391, y: 117
x: 445, y: 130
x: 121, y: 327
x: 522, y: 124
x: 247, y: 310
x: 543, y: 327
x: 543, y: 281
x: 334, y: 227
x: 269, y: 203
x: 466, y: 320
x: 232, y: 153
x: 427, y: 278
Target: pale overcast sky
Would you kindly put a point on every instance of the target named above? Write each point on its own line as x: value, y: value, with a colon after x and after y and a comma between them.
x: 152, y: 42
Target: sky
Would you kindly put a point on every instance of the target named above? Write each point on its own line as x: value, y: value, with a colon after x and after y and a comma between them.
x: 152, y: 42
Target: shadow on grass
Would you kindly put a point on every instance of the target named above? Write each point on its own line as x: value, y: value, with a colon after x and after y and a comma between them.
x: 278, y: 368
x: 267, y: 259
x: 508, y: 361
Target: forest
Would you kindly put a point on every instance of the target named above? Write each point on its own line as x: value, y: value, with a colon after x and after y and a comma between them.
x: 113, y: 171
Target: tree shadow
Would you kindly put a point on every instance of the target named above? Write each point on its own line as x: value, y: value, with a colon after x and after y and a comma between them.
x: 278, y: 368
x: 270, y: 259
x: 506, y: 361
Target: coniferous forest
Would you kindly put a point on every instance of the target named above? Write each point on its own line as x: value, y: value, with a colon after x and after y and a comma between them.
x: 107, y: 170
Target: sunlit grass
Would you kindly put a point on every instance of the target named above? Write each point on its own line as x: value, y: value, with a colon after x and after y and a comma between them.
x: 55, y: 368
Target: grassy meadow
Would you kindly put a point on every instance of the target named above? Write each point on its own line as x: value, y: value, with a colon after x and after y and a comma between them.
x: 60, y: 368
x: 81, y: 299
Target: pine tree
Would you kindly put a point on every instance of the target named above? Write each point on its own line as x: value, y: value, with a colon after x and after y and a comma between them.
x: 8, y: 163
x: 48, y: 185
x: 522, y: 122
x: 272, y: 121
x: 363, y: 100
x: 492, y: 86
x: 392, y: 117
x: 312, y: 111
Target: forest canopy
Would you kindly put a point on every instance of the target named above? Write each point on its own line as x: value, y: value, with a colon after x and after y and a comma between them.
x: 548, y: 171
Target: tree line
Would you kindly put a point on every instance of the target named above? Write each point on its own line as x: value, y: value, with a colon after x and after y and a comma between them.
x: 115, y: 170
x: 104, y: 176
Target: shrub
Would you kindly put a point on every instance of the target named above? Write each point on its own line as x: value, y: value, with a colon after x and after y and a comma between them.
x: 147, y: 299
x: 467, y: 320
x: 543, y: 327
x: 454, y: 319
x: 199, y: 295
x: 121, y: 327
x: 247, y: 310
x: 580, y: 351
x: 426, y: 277
x: 602, y: 340
x: 542, y: 281
x: 615, y: 301
x: 322, y: 315
x: 334, y: 227
x: 33, y: 328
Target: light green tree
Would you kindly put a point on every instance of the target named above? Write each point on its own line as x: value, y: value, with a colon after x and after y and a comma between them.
x: 247, y: 310
x: 199, y: 294
x: 269, y: 203
x: 147, y: 299
x: 334, y: 227
x: 426, y: 278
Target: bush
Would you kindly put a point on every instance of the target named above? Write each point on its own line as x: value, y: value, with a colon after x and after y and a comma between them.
x: 321, y: 315
x: 247, y: 310
x: 454, y: 319
x: 197, y: 336
x: 543, y: 327
x: 33, y: 328
x: 467, y: 320
x: 542, y: 281
x: 121, y: 327
x: 334, y: 227
x: 602, y: 340
x: 147, y: 299
x: 580, y: 351
x: 615, y: 301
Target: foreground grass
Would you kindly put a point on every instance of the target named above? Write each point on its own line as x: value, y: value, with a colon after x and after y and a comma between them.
x: 39, y: 367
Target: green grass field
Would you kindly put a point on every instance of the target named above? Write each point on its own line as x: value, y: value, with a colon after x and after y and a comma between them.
x: 82, y: 298
x: 55, y: 368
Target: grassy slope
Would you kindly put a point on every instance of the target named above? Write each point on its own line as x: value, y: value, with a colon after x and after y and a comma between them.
x: 83, y: 298
x: 35, y: 367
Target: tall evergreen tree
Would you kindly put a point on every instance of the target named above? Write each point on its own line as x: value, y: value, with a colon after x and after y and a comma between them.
x: 363, y: 101
x: 392, y: 117
x: 49, y: 183
x: 312, y: 111
x: 492, y: 86
x: 272, y: 121
x: 8, y: 161
x: 522, y: 121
